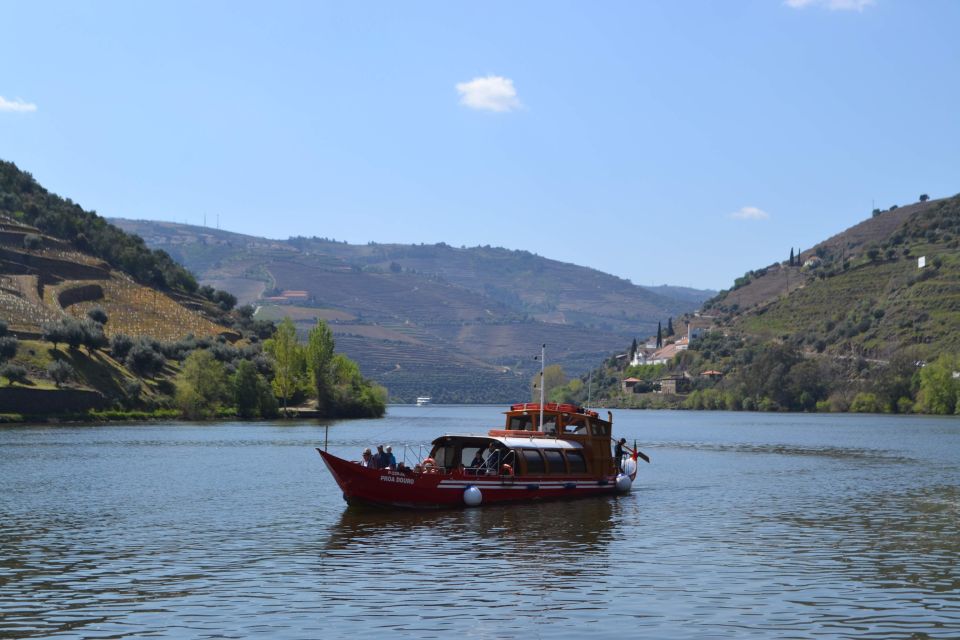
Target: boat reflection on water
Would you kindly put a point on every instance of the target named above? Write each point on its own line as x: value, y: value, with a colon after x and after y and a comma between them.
x: 503, y: 533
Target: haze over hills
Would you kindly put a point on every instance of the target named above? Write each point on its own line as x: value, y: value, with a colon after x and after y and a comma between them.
x: 454, y: 323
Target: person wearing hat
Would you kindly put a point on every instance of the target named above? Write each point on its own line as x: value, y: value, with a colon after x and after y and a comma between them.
x: 367, y: 459
x: 391, y: 459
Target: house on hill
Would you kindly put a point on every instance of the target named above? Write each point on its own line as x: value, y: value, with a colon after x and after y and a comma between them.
x: 674, y: 384
x: 630, y: 383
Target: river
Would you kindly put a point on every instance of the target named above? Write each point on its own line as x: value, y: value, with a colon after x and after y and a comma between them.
x: 744, y: 525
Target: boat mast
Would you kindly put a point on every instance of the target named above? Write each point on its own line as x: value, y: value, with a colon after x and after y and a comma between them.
x: 589, y: 386
x: 543, y: 353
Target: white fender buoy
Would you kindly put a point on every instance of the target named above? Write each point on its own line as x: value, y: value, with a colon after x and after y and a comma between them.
x: 472, y: 496
x: 630, y: 466
x: 623, y: 483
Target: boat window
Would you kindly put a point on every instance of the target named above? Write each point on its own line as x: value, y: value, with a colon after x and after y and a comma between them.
x: 549, y: 424
x: 576, y: 461
x: 467, y: 453
x: 600, y: 428
x: 445, y: 456
x: 534, y: 461
x: 520, y: 423
x: 555, y: 461
x: 575, y: 424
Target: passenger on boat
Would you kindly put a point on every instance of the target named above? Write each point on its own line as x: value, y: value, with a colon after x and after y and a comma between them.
x: 477, y: 462
x: 391, y: 459
x: 367, y: 458
x: 618, y: 453
x: 493, y: 459
x: 380, y: 459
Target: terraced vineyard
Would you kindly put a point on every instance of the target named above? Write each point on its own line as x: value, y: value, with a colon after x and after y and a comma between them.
x: 429, y: 308
x: 135, y: 310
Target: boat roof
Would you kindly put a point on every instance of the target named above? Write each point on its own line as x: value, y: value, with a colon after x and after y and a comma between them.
x: 516, y: 442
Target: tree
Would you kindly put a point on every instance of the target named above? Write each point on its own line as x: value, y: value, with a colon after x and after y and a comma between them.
x: 633, y: 349
x: 93, y: 336
x: 553, y: 378
x: 791, y: 256
x: 225, y: 300
x: 8, y: 347
x: 319, y: 360
x: 246, y: 396
x: 939, y: 390
x: 32, y: 242
x: 924, y: 197
x: 201, y: 385
x: 14, y: 373
x: 120, y: 345
x: 659, y: 336
x: 53, y: 332
x: 289, y: 361
x: 669, y: 326
x: 59, y: 371
x: 98, y: 315
x: 143, y: 359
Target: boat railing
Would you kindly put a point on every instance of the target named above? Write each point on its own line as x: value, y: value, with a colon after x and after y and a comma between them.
x: 417, y: 452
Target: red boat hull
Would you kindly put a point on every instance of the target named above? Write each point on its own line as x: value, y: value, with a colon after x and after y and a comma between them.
x: 446, y: 490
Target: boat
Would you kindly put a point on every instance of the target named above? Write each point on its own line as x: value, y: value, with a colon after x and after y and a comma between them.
x: 543, y: 452
x: 422, y: 401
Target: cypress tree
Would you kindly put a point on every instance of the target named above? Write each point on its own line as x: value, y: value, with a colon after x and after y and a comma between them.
x: 659, y: 336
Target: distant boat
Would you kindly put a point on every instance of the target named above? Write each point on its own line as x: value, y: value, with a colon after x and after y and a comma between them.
x: 423, y: 401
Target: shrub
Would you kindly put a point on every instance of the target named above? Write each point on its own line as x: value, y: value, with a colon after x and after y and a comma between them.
x: 98, y: 315
x: 32, y: 242
x: 866, y: 403
x: 14, y: 373
x: 8, y: 347
x: 120, y: 345
x: 143, y: 359
x: 59, y: 371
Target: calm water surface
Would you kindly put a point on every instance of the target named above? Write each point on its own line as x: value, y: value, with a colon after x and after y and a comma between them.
x: 743, y: 526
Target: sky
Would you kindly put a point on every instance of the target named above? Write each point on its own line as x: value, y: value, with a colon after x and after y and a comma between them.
x: 679, y: 143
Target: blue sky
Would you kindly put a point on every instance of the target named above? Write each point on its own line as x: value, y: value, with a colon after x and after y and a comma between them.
x: 668, y: 142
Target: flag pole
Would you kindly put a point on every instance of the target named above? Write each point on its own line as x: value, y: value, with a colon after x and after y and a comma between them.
x: 543, y: 352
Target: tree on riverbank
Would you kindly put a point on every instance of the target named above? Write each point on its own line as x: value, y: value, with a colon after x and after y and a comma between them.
x: 290, y: 366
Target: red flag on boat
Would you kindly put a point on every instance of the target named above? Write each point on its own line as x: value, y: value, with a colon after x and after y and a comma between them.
x: 636, y: 453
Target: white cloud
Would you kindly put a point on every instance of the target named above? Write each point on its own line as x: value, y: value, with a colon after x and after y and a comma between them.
x: 17, y: 105
x: 750, y: 213
x: 833, y: 5
x: 492, y: 93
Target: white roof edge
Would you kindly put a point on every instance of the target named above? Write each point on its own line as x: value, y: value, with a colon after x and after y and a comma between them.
x: 515, y: 442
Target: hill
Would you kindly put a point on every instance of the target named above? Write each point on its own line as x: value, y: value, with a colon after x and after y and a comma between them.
x: 60, y: 265
x: 867, y: 320
x: 459, y: 324
x: 861, y: 291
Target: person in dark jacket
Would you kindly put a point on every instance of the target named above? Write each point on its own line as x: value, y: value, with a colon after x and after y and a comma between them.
x: 618, y: 453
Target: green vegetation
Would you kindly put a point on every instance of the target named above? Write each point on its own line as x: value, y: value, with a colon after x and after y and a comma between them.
x: 110, y: 348
x: 22, y: 199
x: 333, y: 380
x: 455, y: 323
